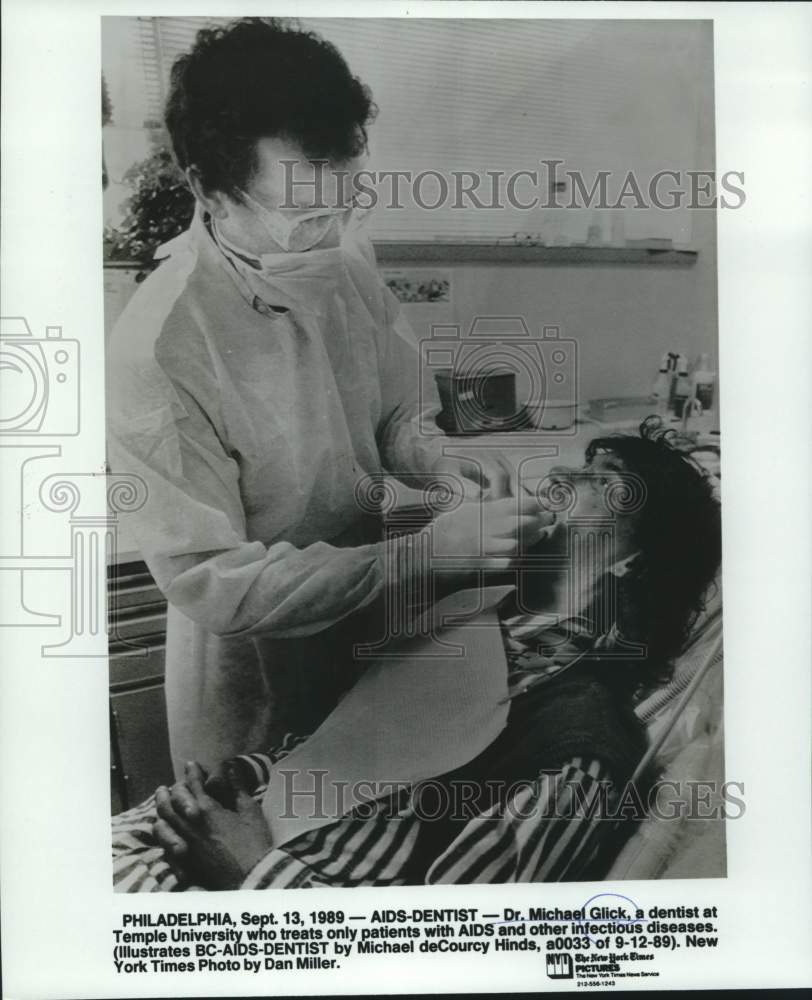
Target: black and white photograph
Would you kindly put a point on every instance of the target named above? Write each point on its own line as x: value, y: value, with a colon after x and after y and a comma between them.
x: 404, y: 462
x: 408, y: 602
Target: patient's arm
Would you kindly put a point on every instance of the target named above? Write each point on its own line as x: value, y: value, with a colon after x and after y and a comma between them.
x: 182, y: 824
x: 544, y: 835
x: 214, y: 845
x: 253, y: 770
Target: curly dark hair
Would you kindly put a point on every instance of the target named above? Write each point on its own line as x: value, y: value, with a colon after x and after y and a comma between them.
x: 262, y: 77
x: 678, y: 533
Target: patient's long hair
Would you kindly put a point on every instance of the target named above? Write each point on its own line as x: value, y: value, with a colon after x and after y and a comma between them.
x: 678, y: 533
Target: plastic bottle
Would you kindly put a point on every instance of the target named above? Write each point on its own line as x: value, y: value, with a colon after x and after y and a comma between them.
x: 661, y: 390
x: 673, y: 359
x: 596, y: 230
x: 703, y: 379
x: 683, y: 390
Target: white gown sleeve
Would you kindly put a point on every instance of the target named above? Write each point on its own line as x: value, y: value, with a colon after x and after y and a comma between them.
x: 408, y: 439
x: 192, y: 532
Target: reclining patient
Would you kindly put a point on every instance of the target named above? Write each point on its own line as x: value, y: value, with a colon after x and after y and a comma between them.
x: 581, y: 650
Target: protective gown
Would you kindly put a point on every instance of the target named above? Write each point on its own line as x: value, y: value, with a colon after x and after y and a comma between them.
x: 252, y: 407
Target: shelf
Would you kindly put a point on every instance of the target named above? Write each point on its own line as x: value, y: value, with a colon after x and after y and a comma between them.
x: 439, y: 251
x: 434, y: 251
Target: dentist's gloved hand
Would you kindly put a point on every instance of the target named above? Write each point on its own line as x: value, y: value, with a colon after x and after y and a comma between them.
x: 489, y: 534
x: 480, y: 472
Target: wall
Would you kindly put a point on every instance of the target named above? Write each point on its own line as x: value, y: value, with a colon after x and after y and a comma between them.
x: 623, y: 317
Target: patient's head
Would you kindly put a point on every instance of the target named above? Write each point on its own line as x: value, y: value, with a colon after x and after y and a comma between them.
x: 665, y: 518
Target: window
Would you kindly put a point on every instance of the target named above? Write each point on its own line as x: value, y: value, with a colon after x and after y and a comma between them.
x: 477, y: 96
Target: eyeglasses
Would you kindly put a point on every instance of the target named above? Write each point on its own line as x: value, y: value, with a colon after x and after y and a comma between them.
x: 304, y: 231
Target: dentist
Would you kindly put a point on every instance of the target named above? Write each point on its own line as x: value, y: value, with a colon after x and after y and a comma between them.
x: 257, y: 376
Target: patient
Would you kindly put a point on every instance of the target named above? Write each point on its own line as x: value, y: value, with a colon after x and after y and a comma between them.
x: 618, y: 620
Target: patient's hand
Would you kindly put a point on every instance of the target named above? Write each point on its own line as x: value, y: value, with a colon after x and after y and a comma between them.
x: 222, y: 782
x: 215, y: 846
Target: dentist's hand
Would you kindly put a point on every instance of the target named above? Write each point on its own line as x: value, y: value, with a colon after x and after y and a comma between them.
x: 489, y: 534
x: 479, y: 471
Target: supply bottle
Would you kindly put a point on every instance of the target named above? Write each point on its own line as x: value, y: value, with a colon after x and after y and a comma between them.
x: 673, y: 360
x: 683, y: 389
x: 703, y: 379
x: 661, y: 390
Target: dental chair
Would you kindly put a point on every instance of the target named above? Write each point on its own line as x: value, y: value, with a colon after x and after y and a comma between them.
x: 686, y: 836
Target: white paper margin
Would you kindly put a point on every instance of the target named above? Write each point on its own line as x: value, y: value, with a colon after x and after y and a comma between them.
x: 58, y: 909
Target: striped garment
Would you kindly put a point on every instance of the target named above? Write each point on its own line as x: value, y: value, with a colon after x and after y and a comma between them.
x: 542, y: 833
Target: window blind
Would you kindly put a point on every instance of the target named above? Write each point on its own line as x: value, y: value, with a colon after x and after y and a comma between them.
x: 480, y: 95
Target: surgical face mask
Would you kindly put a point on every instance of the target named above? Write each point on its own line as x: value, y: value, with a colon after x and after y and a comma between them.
x: 291, y: 278
x: 295, y: 235
x: 303, y: 282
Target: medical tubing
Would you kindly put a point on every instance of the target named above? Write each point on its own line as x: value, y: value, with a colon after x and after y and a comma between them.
x: 596, y: 823
x: 714, y: 656
x: 648, y: 708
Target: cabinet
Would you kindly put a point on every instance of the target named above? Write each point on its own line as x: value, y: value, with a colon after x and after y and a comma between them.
x: 139, y: 739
